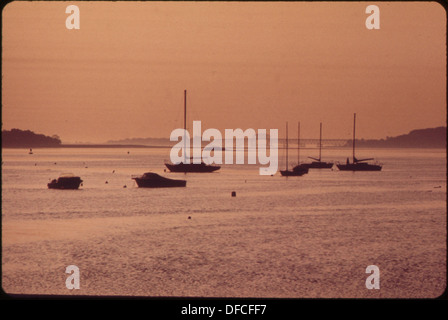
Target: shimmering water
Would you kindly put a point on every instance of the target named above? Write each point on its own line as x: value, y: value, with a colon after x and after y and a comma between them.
x: 309, y: 236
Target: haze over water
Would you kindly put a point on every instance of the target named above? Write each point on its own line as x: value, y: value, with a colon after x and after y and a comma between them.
x: 310, y: 236
x: 245, y: 65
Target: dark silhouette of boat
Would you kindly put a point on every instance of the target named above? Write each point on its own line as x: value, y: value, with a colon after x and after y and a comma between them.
x: 190, y: 167
x: 318, y: 163
x: 66, y: 181
x: 298, y: 170
x: 358, y: 164
x: 153, y: 180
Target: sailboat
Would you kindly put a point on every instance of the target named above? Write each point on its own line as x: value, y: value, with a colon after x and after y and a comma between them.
x: 298, y: 170
x: 190, y: 167
x: 358, y: 164
x: 318, y: 163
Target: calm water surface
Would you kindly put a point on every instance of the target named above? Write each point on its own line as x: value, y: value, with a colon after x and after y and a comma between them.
x: 410, y: 178
x: 309, y: 236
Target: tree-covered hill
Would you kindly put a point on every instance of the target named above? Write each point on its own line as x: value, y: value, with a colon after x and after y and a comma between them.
x: 16, y: 138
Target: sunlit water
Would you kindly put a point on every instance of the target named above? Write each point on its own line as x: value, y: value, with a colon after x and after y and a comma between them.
x: 309, y: 236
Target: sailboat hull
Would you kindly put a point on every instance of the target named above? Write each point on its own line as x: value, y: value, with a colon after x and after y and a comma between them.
x: 298, y: 170
x: 287, y: 173
x: 318, y: 165
x: 168, y: 183
x: 359, y: 167
x: 191, y: 167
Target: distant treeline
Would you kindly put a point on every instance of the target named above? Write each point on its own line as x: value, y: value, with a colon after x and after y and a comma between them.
x: 16, y: 138
x: 421, y: 138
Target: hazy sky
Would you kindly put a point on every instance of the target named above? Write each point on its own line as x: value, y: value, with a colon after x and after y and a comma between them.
x: 244, y: 65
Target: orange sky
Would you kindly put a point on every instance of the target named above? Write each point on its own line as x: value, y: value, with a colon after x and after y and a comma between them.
x: 244, y: 65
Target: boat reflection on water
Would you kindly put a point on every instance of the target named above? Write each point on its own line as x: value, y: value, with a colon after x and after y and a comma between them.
x: 153, y: 180
x: 66, y: 181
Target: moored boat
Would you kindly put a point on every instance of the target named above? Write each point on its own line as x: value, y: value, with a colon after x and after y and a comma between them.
x: 65, y: 181
x: 191, y: 167
x: 358, y: 164
x: 187, y: 166
x: 318, y: 163
x: 153, y: 180
x: 299, y: 169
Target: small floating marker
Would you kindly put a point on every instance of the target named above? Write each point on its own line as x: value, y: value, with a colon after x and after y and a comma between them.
x: 113, y: 171
x: 128, y: 152
x: 233, y: 194
x: 106, y: 182
x: 189, y: 217
x: 124, y: 186
x: 55, y: 163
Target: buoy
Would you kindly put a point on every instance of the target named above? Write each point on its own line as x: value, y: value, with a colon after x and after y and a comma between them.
x: 233, y: 194
x: 124, y: 186
x: 189, y: 217
x: 106, y: 182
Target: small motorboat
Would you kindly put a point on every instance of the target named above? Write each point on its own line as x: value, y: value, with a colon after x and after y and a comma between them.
x: 65, y: 181
x: 153, y: 180
x: 297, y: 171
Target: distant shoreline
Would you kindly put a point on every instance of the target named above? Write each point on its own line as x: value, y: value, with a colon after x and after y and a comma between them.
x: 419, y: 138
x: 87, y: 146
x: 109, y: 146
x: 103, y: 146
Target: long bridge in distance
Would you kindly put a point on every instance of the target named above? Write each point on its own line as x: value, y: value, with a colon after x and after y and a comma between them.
x: 315, y: 142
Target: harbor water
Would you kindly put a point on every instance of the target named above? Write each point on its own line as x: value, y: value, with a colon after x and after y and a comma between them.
x: 279, y: 237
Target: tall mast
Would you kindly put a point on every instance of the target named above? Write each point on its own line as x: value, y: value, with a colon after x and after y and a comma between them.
x: 354, y: 128
x: 320, y: 142
x: 286, y: 145
x: 185, y: 126
x: 298, y: 143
